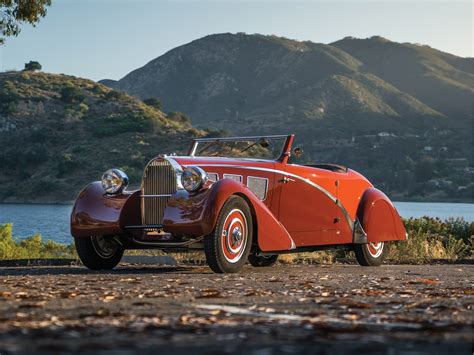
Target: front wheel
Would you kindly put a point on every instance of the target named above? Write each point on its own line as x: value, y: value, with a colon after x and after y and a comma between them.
x: 227, y: 247
x: 370, y: 254
x: 99, y: 252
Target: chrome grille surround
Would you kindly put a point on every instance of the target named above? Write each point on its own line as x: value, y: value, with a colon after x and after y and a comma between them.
x: 161, y: 179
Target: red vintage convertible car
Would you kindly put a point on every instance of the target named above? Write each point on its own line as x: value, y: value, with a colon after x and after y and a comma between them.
x: 237, y: 199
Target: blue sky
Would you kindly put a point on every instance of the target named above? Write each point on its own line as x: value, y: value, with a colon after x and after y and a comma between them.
x: 100, y: 39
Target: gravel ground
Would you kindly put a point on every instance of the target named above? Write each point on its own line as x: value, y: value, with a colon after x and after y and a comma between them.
x: 337, y: 309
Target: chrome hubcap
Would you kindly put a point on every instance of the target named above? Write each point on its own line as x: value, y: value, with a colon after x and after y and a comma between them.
x: 375, y: 249
x: 236, y: 235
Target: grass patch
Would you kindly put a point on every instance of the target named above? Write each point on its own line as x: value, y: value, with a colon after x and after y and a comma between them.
x: 428, y: 239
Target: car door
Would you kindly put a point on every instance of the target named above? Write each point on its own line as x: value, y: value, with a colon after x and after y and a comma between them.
x: 307, y: 205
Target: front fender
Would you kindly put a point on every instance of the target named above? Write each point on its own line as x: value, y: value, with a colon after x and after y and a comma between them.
x: 379, y: 217
x: 196, y: 214
x: 96, y: 213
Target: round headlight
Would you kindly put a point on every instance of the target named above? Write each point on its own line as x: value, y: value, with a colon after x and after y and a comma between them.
x: 193, y: 178
x: 114, y: 181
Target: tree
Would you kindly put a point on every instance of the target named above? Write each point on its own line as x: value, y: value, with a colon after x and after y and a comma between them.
x: 32, y: 66
x: 153, y: 102
x: 15, y: 12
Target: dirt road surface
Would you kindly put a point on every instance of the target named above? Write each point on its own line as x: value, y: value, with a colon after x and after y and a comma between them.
x: 339, y: 309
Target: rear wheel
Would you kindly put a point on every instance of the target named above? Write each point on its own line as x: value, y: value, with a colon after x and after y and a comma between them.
x: 99, y: 252
x: 370, y: 254
x: 228, y: 246
x: 262, y: 260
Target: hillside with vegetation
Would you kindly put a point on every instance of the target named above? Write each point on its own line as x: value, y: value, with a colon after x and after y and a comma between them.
x: 400, y: 113
x: 60, y: 132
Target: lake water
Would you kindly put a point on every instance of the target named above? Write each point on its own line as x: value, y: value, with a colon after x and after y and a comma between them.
x: 52, y: 221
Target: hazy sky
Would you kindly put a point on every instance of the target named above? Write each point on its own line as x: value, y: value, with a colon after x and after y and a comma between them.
x: 100, y: 39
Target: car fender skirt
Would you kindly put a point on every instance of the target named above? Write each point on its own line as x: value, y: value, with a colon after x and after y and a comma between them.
x: 196, y: 214
x: 379, y: 217
x: 96, y: 213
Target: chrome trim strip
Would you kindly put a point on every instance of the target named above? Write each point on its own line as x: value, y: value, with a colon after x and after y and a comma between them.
x: 275, y: 136
x: 309, y: 182
x: 165, y: 195
x: 196, y: 141
x: 293, y: 245
x: 169, y: 244
x: 148, y: 226
x: 178, y: 170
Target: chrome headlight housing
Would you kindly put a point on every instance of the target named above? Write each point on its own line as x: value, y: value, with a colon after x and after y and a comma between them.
x: 193, y: 178
x: 114, y: 181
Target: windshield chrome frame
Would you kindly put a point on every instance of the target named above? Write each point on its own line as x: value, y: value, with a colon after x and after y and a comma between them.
x: 284, y: 151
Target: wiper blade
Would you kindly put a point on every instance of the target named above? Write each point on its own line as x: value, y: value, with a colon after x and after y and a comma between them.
x: 262, y: 141
x: 206, y: 147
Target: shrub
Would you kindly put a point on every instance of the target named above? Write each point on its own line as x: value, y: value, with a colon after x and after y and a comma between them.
x: 117, y: 124
x: 66, y: 164
x: 153, y: 102
x: 31, y: 247
x: 72, y: 94
x: 98, y: 89
x: 179, y: 117
x: 431, y: 238
x: 83, y: 107
x: 115, y: 95
x: 211, y: 133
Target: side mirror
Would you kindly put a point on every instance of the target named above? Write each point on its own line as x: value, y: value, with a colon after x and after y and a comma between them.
x: 297, y: 152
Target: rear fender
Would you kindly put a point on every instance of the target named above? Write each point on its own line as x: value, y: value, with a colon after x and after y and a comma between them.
x: 196, y: 214
x: 379, y: 218
x: 96, y: 213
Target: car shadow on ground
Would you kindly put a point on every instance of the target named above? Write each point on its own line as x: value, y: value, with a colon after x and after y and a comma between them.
x: 77, y: 270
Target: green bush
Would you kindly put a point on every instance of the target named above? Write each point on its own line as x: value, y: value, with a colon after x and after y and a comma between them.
x: 117, y: 124
x: 431, y: 238
x: 115, y: 95
x: 31, y: 247
x: 72, y: 94
x: 153, y: 102
x: 179, y: 117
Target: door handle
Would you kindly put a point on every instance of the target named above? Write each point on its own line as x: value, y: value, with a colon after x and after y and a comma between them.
x: 286, y: 179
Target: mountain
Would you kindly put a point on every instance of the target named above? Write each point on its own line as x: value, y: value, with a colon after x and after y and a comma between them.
x: 247, y: 82
x: 440, y: 80
x: 400, y: 113
x: 60, y: 132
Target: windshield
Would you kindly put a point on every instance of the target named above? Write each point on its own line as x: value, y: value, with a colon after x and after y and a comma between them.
x: 268, y: 148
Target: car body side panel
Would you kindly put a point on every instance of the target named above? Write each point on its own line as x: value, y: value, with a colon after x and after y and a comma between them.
x: 379, y: 218
x: 309, y: 211
x: 96, y: 213
x: 205, y: 207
